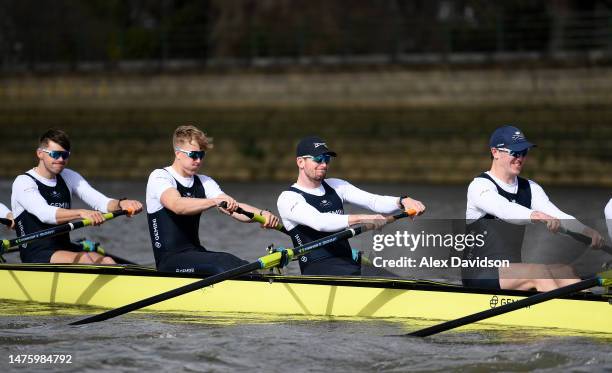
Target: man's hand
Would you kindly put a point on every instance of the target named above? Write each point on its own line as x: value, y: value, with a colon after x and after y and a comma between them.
x: 409, y: 203
x: 231, y: 204
x: 271, y: 220
x: 552, y: 223
x: 597, y: 241
x: 96, y: 217
x: 133, y: 206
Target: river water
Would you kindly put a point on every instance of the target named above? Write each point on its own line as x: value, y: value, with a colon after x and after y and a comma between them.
x: 225, y: 343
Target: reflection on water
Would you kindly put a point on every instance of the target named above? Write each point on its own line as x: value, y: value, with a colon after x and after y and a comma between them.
x: 231, y: 342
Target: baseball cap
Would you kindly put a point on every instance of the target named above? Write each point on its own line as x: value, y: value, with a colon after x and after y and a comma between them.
x: 509, y: 137
x: 314, y: 146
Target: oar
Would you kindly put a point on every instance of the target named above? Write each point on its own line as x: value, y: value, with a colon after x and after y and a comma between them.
x: 255, y: 217
x: 7, y: 222
x: 584, y: 239
x: 261, y: 219
x: 51, y: 232
x: 264, y: 262
x: 602, y: 279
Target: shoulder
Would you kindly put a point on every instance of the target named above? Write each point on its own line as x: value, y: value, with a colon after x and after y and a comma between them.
x: 68, y: 173
x: 608, y: 209
x: 206, y: 179
x: 335, y: 183
x: 289, y: 195
x: 535, y: 186
x: 159, y: 173
x: 481, y: 183
x: 23, y: 181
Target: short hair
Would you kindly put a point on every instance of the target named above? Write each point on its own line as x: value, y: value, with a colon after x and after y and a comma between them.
x: 57, y: 136
x: 189, y: 133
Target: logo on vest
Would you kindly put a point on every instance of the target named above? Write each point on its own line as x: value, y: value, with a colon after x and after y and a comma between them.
x: 56, y: 195
x: 303, y: 259
x: 325, y: 203
x: 187, y: 195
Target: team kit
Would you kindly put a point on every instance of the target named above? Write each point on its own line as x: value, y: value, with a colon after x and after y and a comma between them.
x: 500, y: 205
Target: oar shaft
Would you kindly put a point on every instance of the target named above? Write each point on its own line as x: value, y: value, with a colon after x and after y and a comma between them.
x: 170, y: 294
x: 585, y: 240
x: 7, y: 222
x: 255, y: 217
x: 509, y: 307
x: 51, y: 232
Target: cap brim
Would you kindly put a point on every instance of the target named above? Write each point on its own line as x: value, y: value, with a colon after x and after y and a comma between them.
x: 521, y: 146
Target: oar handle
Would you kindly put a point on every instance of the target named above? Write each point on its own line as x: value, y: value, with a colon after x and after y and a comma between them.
x: 255, y: 217
x: 584, y: 239
x: 52, y: 232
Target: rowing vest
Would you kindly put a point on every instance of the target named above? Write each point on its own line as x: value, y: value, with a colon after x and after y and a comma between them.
x: 502, y: 240
x: 26, y: 223
x: 172, y: 233
x: 330, y: 202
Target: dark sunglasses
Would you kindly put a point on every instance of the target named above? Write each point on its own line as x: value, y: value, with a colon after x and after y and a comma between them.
x: 57, y: 154
x: 323, y: 158
x: 193, y: 154
x: 514, y: 153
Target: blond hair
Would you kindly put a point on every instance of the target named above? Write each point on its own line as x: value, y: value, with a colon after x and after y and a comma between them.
x: 188, y: 133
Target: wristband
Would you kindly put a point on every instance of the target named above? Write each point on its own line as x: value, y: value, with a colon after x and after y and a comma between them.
x: 399, y: 202
x: 119, y: 202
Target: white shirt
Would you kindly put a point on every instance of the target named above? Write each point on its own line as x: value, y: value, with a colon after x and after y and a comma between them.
x: 482, y: 199
x: 608, y: 213
x: 4, y: 211
x: 294, y: 210
x: 162, y: 179
x: 26, y: 197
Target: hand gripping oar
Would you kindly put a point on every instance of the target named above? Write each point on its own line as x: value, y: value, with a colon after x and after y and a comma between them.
x: 264, y: 262
x: 51, y: 232
x: 255, y: 217
x: 602, y: 279
x: 584, y: 239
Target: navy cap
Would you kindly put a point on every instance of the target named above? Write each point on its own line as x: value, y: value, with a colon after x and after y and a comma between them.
x: 509, y: 137
x: 314, y: 146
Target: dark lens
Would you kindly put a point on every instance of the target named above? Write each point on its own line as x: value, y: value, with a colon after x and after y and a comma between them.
x: 196, y: 154
x: 57, y: 154
x: 517, y: 154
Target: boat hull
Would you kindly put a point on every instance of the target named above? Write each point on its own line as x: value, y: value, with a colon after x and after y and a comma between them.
x: 111, y: 287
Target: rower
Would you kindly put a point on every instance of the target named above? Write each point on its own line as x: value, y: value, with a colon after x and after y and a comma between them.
x: 176, y: 197
x: 313, y: 207
x: 499, y: 205
x: 42, y: 198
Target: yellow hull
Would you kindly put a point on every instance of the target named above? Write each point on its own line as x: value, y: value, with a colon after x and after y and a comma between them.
x: 111, y: 287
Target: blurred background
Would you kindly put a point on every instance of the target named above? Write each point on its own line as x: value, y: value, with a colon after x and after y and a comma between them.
x: 406, y: 91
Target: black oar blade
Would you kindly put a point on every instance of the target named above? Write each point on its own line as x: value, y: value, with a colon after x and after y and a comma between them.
x: 170, y: 294
x: 534, y: 299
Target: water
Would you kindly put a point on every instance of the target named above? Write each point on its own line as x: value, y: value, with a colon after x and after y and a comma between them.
x: 169, y: 342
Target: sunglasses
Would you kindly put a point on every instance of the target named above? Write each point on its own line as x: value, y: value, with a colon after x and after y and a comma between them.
x: 514, y: 153
x: 323, y: 158
x: 193, y: 154
x: 57, y: 154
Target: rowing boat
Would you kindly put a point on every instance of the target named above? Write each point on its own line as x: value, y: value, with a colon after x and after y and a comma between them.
x: 363, y: 297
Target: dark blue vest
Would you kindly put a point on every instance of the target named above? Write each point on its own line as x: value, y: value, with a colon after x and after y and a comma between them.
x: 502, y: 240
x: 301, y: 234
x: 172, y: 233
x: 26, y: 223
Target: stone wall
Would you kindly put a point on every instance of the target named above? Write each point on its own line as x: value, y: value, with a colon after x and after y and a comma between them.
x: 427, y: 126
